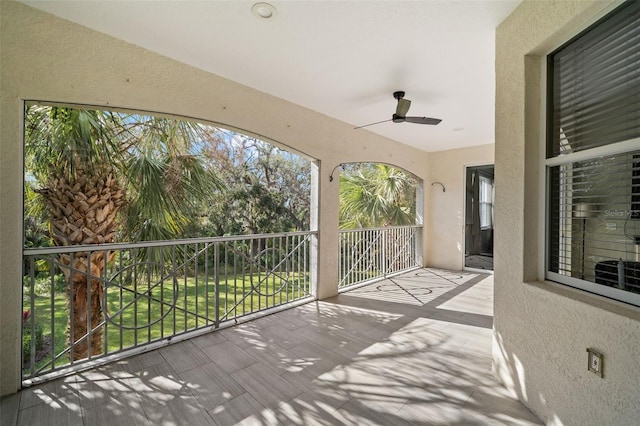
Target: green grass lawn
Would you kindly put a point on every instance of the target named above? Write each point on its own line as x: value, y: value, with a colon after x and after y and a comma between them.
x: 138, y: 315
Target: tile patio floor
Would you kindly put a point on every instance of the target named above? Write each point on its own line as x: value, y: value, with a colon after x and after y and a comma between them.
x: 411, y: 350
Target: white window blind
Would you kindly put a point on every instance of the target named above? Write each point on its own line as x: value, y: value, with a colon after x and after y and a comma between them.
x: 593, y: 158
x: 595, y: 86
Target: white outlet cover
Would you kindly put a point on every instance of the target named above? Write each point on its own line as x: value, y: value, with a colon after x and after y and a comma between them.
x: 595, y: 361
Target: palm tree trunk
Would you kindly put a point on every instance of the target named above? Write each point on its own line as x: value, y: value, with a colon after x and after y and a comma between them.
x: 84, y: 210
x: 87, y: 332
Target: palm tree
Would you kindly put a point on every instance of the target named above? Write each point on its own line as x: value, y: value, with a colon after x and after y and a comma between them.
x: 89, y: 168
x: 373, y: 195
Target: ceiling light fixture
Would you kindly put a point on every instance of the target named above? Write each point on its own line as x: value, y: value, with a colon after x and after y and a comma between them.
x: 264, y: 11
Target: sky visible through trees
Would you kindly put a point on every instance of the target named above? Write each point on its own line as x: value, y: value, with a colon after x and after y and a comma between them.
x: 246, y: 185
x: 101, y: 177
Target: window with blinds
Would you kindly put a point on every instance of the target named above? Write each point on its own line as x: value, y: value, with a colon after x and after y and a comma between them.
x: 593, y: 158
x: 486, y: 202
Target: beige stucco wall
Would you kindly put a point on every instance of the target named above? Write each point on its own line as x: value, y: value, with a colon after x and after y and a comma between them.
x: 46, y: 58
x: 446, y: 220
x: 542, y: 330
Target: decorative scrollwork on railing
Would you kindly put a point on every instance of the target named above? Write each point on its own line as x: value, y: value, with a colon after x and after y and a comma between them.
x: 368, y: 254
x: 269, y: 263
x: 265, y: 272
x: 138, y: 283
x: 153, y: 291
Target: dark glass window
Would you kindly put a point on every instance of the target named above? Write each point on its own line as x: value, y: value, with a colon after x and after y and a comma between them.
x: 595, y: 85
x: 593, y: 158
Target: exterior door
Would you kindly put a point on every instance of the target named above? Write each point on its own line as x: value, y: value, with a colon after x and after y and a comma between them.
x: 479, y: 190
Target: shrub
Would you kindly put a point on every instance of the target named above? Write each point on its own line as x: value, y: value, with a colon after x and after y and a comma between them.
x: 26, y: 340
x: 42, y: 284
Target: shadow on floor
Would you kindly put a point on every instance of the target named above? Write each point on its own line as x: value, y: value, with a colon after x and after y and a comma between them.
x: 413, y: 349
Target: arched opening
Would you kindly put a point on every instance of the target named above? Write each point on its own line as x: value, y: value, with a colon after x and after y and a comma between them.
x: 380, y: 222
x: 140, y: 229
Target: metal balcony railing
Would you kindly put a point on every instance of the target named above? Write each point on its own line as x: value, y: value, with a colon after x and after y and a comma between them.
x: 151, y: 292
x: 375, y: 253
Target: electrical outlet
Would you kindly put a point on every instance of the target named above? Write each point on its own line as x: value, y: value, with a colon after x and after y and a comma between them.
x: 595, y: 361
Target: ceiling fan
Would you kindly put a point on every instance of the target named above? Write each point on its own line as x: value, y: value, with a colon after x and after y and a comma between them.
x: 401, y: 113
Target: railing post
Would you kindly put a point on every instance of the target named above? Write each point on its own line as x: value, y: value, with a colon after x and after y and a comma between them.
x: 418, y: 233
x: 216, y: 255
x: 384, y: 252
x: 314, y: 212
x: 32, y: 296
x: 72, y: 334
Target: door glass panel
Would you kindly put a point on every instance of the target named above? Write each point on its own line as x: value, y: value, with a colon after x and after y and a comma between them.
x: 479, y: 203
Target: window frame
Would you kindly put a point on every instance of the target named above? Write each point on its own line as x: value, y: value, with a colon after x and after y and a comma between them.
x: 486, y: 205
x: 568, y: 159
x: 622, y: 147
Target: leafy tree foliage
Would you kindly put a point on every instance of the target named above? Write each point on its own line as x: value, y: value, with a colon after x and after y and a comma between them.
x: 87, y: 167
x: 95, y: 177
x: 268, y: 189
x: 373, y: 195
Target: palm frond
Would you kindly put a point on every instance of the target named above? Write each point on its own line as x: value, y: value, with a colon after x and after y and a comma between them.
x: 376, y: 195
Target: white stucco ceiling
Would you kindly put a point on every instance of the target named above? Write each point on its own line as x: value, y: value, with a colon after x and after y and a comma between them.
x: 340, y: 58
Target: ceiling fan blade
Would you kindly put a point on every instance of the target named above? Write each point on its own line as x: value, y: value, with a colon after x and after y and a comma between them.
x: 422, y: 120
x: 371, y: 124
x: 403, y: 107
